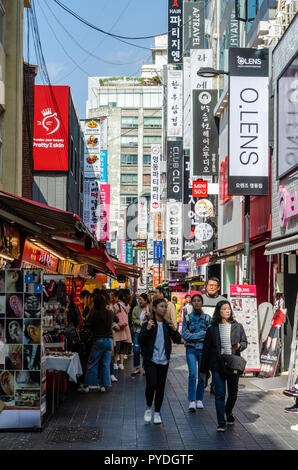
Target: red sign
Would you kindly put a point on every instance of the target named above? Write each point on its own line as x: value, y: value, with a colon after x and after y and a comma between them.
x: 104, y: 212
x: 156, y: 278
x: 51, y: 118
x: 200, y: 188
x: 237, y: 290
x: 203, y: 260
x: 223, y: 182
x: 40, y: 258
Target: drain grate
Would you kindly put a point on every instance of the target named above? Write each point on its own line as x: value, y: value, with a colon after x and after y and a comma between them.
x: 74, y: 434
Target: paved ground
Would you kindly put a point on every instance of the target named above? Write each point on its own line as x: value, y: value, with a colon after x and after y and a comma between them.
x: 116, y: 419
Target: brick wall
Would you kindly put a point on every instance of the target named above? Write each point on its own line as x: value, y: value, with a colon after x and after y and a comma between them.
x: 30, y: 72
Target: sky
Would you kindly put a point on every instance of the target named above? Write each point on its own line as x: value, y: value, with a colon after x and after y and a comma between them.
x: 71, y: 60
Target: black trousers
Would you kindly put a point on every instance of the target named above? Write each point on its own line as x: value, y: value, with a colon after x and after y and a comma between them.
x: 156, y: 375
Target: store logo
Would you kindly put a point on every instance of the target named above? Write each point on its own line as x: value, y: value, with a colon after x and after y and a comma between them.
x: 50, y: 121
x: 288, y: 206
x: 205, y: 97
x: 243, y: 62
x: 175, y: 4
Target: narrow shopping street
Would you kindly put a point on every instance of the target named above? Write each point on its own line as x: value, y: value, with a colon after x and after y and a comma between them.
x: 114, y: 420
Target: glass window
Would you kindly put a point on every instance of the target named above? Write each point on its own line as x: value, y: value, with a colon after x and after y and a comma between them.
x: 129, y: 140
x: 146, y: 159
x: 127, y: 199
x: 129, y: 121
x: 152, y: 139
x: 128, y: 159
x: 152, y: 121
x: 129, y: 178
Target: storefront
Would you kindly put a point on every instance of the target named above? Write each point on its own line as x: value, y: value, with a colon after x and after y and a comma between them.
x: 282, y: 250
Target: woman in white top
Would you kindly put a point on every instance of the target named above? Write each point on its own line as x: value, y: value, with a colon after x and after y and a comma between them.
x: 140, y: 314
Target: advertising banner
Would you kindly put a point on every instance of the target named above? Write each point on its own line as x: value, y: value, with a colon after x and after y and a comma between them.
x: 183, y: 266
x: 200, y: 58
x: 22, y: 364
x: 142, y: 217
x: 205, y: 135
x: 244, y: 306
x: 129, y: 253
x: 157, y: 275
x: 95, y: 149
x: 91, y: 207
x: 122, y: 251
x: 157, y: 246
x: 51, y: 128
x: 174, y: 170
x: 194, y: 25
x: 155, y: 178
x: 175, y: 103
x: 186, y: 104
x: 150, y: 249
x: 142, y: 263
x: 175, y: 31
x: 104, y: 212
x: 248, y: 122
x: 38, y: 257
x: 173, y: 238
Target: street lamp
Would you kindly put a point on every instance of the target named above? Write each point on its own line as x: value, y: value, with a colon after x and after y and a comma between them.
x: 210, y: 72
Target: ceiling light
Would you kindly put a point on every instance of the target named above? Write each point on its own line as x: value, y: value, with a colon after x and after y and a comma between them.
x: 9, y: 258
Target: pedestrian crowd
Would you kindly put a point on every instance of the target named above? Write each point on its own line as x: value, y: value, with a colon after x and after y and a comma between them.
x: 117, y: 324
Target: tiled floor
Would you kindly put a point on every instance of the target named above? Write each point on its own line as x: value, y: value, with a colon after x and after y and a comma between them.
x: 260, y: 420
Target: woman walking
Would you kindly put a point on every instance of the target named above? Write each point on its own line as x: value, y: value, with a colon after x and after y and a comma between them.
x: 224, y: 341
x: 100, y: 323
x: 155, y: 341
x: 194, y: 328
x: 139, y: 314
x: 123, y: 336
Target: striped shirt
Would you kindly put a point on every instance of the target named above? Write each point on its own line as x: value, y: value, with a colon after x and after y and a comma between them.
x: 225, y: 338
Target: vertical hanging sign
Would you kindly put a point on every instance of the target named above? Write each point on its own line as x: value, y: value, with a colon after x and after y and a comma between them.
x: 104, y: 212
x: 194, y: 25
x: 142, y: 218
x: 155, y: 178
x: 248, y: 122
x: 175, y: 31
x: 175, y: 103
x: 174, y: 237
x: 174, y: 170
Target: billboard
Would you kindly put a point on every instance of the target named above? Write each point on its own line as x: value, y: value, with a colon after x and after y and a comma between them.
x: 194, y: 25
x: 95, y: 149
x: 175, y: 31
x: 51, y: 128
x: 174, y: 170
x: 248, y: 122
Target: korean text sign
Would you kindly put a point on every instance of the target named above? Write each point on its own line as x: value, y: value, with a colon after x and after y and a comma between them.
x: 175, y: 28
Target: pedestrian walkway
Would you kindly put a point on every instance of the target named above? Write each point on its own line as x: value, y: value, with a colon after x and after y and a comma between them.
x: 114, y: 420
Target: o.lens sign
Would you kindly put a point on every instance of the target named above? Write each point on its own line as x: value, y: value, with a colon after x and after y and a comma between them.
x: 248, y: 122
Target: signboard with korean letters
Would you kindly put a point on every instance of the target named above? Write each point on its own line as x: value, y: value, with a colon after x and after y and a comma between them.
x: 95, y: 149
x: 174, y: 238
x: 243, y: 300
x: 194, y: 25
x: 248, y: 122
x: 205, y: 135
x: 200, y: 58
x: 155, y: 178
x: 91, y: 206
x: 175, y: 103
x: 142, y: 263
x: 175, y: 31
x: 174, y: 170
x: 186, y: 104
x: 22, y: 362
x: 142, y: 217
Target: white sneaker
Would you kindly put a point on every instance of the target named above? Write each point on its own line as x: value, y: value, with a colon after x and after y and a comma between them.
x: 295, y: 427
x: 200, y: 404
x: 113, y: 378
x: 157, y: 418
x: 115, y: 367
x: 192, y: 406
x: 83, y: 389
x: 121, y: 367
x: 102, y: 389
x: 94, y: 388
x: 148, y: 415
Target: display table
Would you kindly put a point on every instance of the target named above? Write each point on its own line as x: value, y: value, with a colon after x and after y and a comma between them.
x: 61, y: 362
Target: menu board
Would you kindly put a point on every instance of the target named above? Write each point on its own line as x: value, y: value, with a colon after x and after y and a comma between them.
x: 95, y: 150
x: 245, y: 312
x: 22, y: 365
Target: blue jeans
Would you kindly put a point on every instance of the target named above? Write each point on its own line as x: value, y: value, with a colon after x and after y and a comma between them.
x: 220, y: 395
x: 101, y: 351
x: 136, y: 351
x: 193, y: 357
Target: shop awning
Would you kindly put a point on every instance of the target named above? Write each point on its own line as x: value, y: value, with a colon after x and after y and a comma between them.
x: 283, y: 245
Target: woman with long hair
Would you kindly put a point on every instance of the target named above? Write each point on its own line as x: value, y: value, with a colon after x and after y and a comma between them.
x: 140, y: 314
x: 100, y: 322
x: 226, y: 337
x: 155, y: 341
x: 123, y: 335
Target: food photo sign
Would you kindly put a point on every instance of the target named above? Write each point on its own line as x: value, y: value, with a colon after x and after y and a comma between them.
x: 95, y: 150
x: 22, y: 366
x: 243, y: 300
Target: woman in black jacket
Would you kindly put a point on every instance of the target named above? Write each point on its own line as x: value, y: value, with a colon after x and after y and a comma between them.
x: 155, y: 341
x: 225, y: 336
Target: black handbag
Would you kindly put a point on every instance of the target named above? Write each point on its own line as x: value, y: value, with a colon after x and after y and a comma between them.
x: 234, y: 364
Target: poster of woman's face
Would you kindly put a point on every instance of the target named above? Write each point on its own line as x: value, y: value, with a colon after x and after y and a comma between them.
x: 13, y: 356
x: 14, y: 331
x: 31, y: 357
x: 14, y: 306
x: 2, y: 281
x: 6, y: 383
x: 236, y: 304
x: 2, y: 305
x: 14, y: 281
x: 32, y: 306
x: 27, y: 379
x: 32, y: 331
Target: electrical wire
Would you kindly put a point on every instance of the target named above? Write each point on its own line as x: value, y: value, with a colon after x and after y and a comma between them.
x: 116, y: 36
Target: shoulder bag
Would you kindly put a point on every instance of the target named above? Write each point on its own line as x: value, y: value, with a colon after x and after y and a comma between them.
x: 234, y: 364
x: 123, y: 318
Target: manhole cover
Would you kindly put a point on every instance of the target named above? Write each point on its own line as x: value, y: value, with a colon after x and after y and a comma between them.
x: 74, y: 434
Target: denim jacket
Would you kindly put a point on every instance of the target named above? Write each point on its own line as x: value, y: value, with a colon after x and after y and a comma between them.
x: 197, y: 329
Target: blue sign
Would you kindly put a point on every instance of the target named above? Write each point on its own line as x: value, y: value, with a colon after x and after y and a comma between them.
x: 157, y: 245
x: 108, y: 245
x: 103, y: 166
x: 129, y: 253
